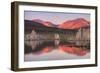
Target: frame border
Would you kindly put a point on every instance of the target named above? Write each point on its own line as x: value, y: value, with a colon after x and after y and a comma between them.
x: 15, y: 32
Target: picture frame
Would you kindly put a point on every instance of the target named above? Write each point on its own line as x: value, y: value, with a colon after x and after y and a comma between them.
x: 24, y: 57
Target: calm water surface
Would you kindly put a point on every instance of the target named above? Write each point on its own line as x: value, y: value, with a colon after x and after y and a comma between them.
x: 54, y: 50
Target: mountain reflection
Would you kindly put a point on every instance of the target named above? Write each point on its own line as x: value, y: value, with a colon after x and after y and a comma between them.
x: 38, y: 47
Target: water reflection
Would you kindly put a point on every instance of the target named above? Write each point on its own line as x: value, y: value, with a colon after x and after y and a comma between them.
x: 38, y: 48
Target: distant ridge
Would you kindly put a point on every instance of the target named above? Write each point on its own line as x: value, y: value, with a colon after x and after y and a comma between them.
x: 75, y: 24
x: 46, y: 23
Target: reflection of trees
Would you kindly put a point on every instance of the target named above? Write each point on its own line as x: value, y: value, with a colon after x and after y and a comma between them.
x: 39, y: 47
x: 33, y: 44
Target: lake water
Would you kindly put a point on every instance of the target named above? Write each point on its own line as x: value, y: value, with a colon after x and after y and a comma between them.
x: 40, y: 50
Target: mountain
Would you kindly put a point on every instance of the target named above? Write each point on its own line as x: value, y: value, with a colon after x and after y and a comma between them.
x: 69, y: 25
x: 45, y: 23
x: 30, y: 25
x: 37, y: 20
x: 75, y: 24
x: 48, y: 24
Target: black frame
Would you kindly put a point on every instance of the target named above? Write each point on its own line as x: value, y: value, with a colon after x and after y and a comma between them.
x: 14, y: 35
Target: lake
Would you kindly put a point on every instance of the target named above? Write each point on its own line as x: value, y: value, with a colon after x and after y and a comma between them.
x: 44, y: 50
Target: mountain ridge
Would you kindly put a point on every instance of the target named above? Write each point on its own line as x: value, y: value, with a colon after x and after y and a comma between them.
x: 69, y: 24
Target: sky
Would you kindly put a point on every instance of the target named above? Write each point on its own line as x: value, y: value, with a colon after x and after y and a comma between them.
x: 54, y: 17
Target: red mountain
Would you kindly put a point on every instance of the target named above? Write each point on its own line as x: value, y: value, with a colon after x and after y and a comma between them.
x: 45, y: 23
x: 38, y: 20
x: 75, y: 24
